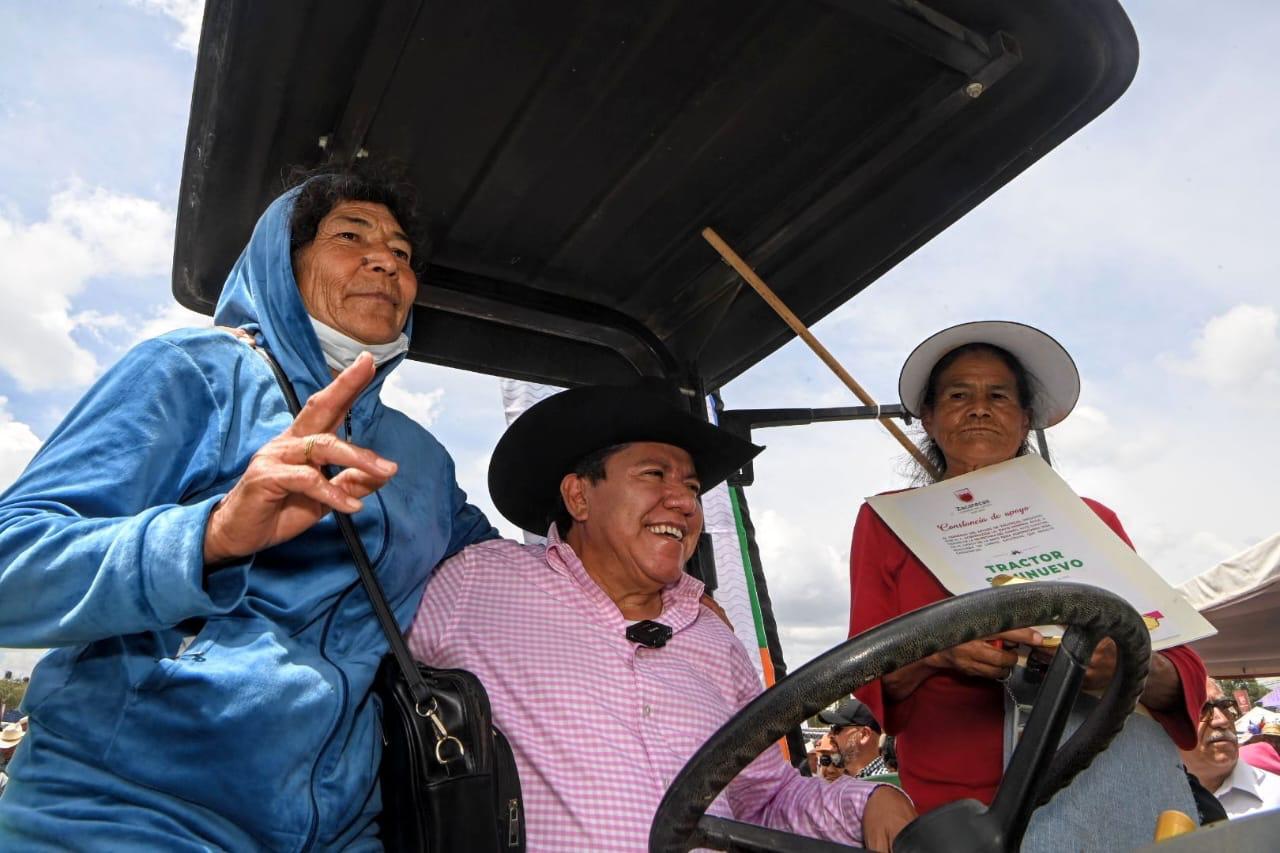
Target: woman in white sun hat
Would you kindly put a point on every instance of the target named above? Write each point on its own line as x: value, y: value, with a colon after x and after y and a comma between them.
x: 978, y: 389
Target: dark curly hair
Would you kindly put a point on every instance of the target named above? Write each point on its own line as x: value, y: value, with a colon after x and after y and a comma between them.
x: 591, y: 467
x: 325, y: 187
x: 1023, y: 381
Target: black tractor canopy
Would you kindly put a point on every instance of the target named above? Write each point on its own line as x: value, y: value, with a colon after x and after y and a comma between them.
x: 569, y: 152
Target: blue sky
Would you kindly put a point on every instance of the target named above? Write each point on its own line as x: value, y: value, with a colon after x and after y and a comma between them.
x: 1144, y: 243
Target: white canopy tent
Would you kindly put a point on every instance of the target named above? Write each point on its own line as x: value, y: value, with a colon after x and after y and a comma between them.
x: 1241, y: 597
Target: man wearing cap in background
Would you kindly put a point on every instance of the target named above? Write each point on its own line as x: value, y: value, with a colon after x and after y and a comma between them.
x: 856, y: 735
x: 601, y: 628
x: 1215, y: 760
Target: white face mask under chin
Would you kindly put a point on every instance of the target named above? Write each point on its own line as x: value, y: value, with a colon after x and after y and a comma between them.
x: 340, y: 351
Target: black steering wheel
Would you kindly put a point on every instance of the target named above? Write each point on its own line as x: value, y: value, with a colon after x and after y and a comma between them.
x: 1035, y: 772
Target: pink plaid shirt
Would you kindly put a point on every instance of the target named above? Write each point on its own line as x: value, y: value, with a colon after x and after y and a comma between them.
x: 601, y: 726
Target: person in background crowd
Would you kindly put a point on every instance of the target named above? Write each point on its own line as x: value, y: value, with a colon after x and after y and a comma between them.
x: 811, y: 758
x: 10, y: 736
x: 613, y: 477
x: 1215, y: 760
x: 172, y: 542
x: 830, y: 761
x: 1208, y: 809
x: 856, y: 736
x: 889, y: 752
x: 1263, y: 749
x: 978, y: 389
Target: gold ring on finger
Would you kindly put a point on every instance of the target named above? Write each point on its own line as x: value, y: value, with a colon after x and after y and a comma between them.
x: 307, y: 447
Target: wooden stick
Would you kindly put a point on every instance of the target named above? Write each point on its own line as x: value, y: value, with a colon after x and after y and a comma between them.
x: 780, y: 307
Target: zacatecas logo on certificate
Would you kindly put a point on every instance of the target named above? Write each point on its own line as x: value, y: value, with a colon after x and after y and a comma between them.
x: 1020, y: 521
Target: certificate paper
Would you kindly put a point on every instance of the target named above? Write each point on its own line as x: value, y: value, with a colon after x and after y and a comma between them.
x: 1021, y: 520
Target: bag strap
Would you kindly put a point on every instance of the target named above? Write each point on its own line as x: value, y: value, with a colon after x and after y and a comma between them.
x: 413, y: 678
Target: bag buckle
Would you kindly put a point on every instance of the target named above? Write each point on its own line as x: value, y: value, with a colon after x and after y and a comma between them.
x: 513, y: 823
x: 443, y: 738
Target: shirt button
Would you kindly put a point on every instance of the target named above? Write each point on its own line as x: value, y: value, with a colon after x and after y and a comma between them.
x: 646, y: 710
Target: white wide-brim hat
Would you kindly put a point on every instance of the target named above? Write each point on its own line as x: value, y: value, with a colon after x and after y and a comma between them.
x: 11, y: 735
x: 1055, y: 382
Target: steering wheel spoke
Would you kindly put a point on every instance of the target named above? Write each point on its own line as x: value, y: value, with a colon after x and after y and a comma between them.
x: 1020, y: 786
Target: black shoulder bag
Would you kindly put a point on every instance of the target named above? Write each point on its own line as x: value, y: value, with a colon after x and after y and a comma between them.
x: 449, y: 778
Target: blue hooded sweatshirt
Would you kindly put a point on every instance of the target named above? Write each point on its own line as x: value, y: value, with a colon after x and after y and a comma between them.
x: 259, y: 733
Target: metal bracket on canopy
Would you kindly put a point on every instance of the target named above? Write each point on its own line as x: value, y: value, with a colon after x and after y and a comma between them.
x: 742, y: 421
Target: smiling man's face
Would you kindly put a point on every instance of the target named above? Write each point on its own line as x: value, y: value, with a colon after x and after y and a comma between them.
x: 639, y: 525
x: 355, y: 275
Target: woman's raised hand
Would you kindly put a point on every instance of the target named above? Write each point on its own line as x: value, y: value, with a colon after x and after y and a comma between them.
x: 284, y: 492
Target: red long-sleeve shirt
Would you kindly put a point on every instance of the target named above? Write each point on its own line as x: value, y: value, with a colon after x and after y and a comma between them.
x: 950, y: 730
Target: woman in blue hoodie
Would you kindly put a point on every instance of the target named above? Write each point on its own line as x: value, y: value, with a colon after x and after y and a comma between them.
x: 212, y: 648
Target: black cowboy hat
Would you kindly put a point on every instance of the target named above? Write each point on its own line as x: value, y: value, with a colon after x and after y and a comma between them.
x: 549, y: 439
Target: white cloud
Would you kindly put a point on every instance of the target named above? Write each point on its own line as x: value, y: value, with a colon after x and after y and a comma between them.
x: 422, y: 406
x: 188, y: 13
x: 17, y: 445
x: 1089, y: 440
x: 98, y: 322
x: 1238, y: 353
x: 808, y: 580
x: 19, y: 661
x: 89, y: 232
x: 125, y: 234
x: 41, y: 266
x: 809, y: 484
x: 1176, y: 549
x: 166, y: 318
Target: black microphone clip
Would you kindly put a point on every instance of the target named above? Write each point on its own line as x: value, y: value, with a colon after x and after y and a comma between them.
x: 653, y: 635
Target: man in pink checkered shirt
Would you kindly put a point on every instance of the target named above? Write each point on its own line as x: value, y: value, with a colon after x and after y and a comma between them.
x: 601, y: 725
